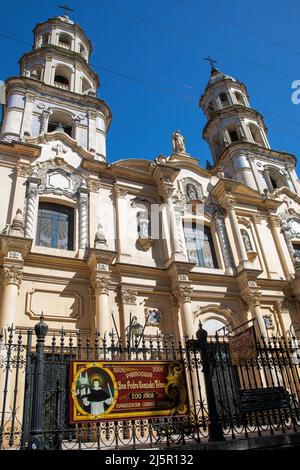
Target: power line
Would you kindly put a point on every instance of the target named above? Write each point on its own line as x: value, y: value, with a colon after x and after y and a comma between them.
x: 242, y: 28
x: 13, y: 36
x: 193, y: 38
x: 163, y: 89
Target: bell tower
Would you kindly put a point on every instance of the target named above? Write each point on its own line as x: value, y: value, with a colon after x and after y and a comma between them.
x: 57, y: 90
x: 237, y: 136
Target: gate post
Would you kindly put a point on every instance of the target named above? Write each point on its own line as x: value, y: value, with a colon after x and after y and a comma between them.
x: 36, y: 441
x: 215, y: 431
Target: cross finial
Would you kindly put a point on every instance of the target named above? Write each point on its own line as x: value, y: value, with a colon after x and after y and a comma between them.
x: 66, y: 8
x: 212, y: 62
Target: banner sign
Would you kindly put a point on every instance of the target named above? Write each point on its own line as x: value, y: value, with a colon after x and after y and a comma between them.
x: 127, y: 390
x: 242, y: 346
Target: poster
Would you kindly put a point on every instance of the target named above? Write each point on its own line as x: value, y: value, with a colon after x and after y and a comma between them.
x: 242, y: 346
x: 102, y: 390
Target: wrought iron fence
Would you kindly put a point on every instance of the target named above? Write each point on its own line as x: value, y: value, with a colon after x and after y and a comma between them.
x: 225, y: 401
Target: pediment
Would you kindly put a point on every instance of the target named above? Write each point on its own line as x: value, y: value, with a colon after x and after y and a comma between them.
x: 60, y: 144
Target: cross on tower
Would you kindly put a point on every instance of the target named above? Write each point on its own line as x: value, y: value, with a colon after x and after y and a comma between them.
x: 211, y: 61
x: 65, y: 8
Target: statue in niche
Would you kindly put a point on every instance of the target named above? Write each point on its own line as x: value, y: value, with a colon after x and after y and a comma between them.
x: 191, y: 192
x: 144, y: 241
x: 178, y: 142
x: 246, y: 240
x: 143, y: 224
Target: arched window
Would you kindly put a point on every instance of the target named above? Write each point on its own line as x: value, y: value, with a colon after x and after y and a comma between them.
x: 65, y: 41
x: 62, y: 77
x: 210, y: 109
x: 36, y: 72
x: 233, y: 134
x: 86, y: 86
x: 239, y: 98
x: 224, y: 100
x: 60, y: 122
x: 83, y: 51
x: 212, y: 325
x: 200, y: 245
x: 45, y: 39
x: 55, y: 226
x: 216, y: 145
x: 274, y: 179
x: 296, y: 247
x: 256, y: 134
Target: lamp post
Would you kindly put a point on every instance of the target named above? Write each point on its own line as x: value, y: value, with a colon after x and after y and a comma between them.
x: 134, y: 329
x: 36, y: 440
x: 215, y: 430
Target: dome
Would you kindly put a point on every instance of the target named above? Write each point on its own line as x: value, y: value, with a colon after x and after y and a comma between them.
x: 218, y: 76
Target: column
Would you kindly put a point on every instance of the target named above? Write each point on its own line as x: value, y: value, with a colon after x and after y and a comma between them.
x: 11, y: 278
x: 100, y: 284
x: 275, y: 228
x: 27, y: 116
x: 236, y: 232
x: 255, y: 172
x: 253, y: 300
x: 167, y: 190
x: 83, y: 217
x: 121, y: 221
x: 31, y: 210
x: 92, y: 132
x: 224, y: 242
x: 45, y: 120
x: 291, y: 171
x: 183, y: 296
x: 48, y: 71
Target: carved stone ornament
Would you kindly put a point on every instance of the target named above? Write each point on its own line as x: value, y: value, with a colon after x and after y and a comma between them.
x: 94, y: 186
x: 129, y: 296
x: 17, y: 227
x: 100, y: 284
x: 145, y: 243
x: 12, y: 274
x: 252, y: 298
x: 23, y: 171
x: 183, y: 293
x: 58, y: 177
x: 120, y: 192
x: 100, y: 239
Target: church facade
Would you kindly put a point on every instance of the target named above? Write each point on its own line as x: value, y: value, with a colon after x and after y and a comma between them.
x: 165, y: 243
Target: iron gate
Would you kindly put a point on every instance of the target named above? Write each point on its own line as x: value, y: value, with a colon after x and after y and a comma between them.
x: 34, y: 387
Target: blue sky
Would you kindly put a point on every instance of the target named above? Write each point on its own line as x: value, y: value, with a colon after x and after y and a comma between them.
x: 167, y: 70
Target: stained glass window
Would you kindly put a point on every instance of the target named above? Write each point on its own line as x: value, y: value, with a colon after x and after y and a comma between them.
x: 55, y: 226
x: 200, y: 245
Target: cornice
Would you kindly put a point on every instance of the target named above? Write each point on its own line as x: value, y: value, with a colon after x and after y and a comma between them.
x: 20, y: 149
x: 227, y: 188
x: 62, y: 136
x: 29, y: 84
x: 68, y: 26
x: 235, y: 149
x: 74, y: 57
x: 236, y: 110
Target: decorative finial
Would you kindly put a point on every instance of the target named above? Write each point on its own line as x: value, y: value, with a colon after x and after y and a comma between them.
x: 66, y: 8
x: 212, y: 63
x: 100, y: 238
x: 17, y: 226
